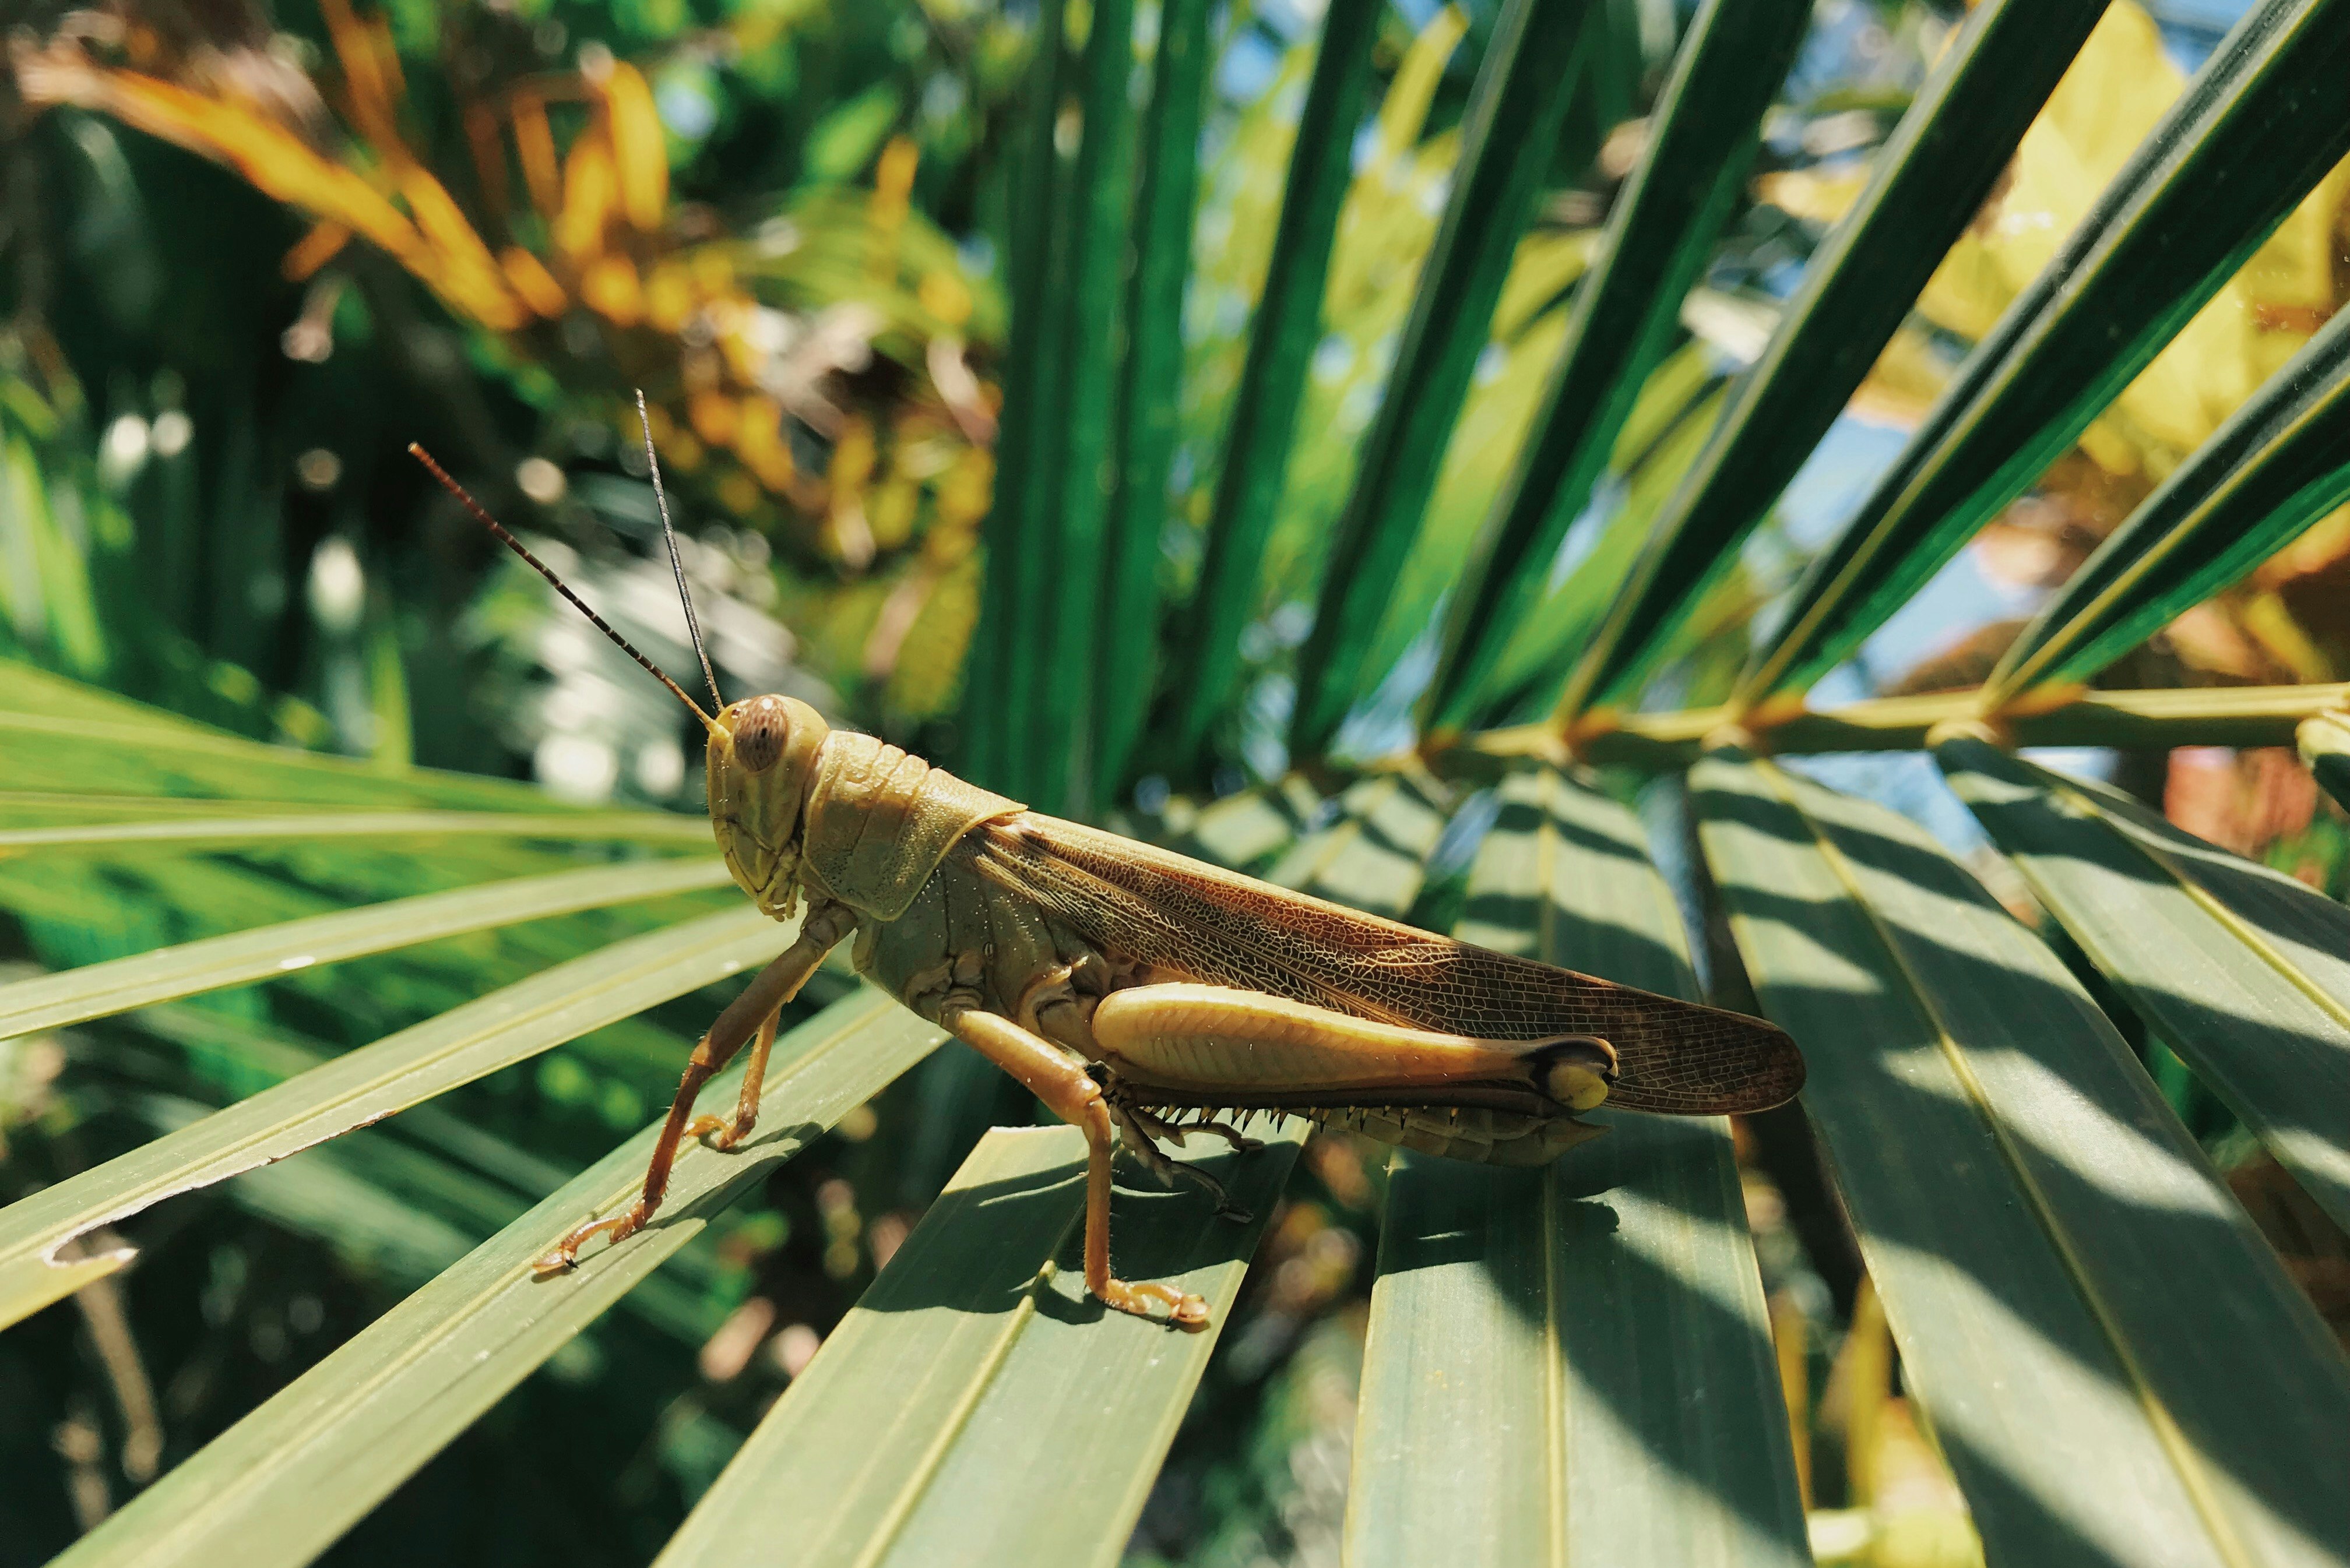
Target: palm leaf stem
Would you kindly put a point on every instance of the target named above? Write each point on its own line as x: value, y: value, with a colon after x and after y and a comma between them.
x: 2192, y: 716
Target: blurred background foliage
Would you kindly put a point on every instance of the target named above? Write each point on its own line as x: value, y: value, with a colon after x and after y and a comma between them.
x: 249, y: 251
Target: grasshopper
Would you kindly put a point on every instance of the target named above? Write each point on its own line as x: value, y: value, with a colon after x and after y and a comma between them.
x: 1128, y: 987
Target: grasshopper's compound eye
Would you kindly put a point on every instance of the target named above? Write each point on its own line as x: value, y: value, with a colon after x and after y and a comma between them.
x: 760, y: 731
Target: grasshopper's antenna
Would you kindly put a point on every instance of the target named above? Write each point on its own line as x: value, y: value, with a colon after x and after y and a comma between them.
x: 511, y: 543
x: 669, y: 537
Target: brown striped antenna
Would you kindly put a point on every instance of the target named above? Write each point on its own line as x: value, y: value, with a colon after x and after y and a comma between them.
x: 544, y: 570
x: 669, y: 537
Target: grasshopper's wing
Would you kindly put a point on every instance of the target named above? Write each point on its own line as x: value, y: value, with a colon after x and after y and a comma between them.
x: 1197, y: 922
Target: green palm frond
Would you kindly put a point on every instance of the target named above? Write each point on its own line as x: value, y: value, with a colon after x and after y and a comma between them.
x: 2242, y: 969
x: 998, y: 1410
x: 1660, y: 236
x: 2201, y: 193
x: 1515, y: 115
x: 361, y: 1086
x: 1539, y: 1336
x: 1501, y: 498
x: 1929, y: 182
x: 2275, y: 467
x: 1282, y: 340
x: 281, y: 1484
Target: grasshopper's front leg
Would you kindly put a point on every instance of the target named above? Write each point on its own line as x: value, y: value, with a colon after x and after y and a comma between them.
x: 751, y: 1016
x: 1065, y: 1087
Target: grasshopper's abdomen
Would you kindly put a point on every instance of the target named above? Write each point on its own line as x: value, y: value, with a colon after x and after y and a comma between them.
x: 1478, y: 1135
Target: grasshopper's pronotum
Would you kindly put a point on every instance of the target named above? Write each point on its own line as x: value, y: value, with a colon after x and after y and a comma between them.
x: 1125, y: 985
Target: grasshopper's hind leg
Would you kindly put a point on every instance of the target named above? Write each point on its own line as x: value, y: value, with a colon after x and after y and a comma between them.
x: 750, y: 1015
x: 1063, y: 1084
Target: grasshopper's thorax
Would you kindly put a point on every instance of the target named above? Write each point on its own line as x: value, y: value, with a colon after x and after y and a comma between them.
x: 798, y: 805
x: 763, y: 755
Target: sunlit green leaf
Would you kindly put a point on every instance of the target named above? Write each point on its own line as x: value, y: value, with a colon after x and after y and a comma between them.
x: 1282, y: 337
x: 364, y: 1085
x: 1668, y: 427
x: 1373, y: 855
x: 1926, y: 185
x: 2028, y: 1206
x: 1580, y: 1353
x: 977, y: 1404
x: 1004, y: 649
x: 58, y: 737
x: 2243, y: 970
x: 2201, y: 193
x: 1083, y: 472
x: 136, y: 836
x: 1149, y: 397
x: 1660, y: 234
x: 281, y: 1484
x: 210, y: 963
x: 1514, y: 117
x: 2276, y: 465
x: 1246, y: 830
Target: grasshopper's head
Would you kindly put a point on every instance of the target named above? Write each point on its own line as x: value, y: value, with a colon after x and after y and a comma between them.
x: 762, y: 752
x: 763, y: 757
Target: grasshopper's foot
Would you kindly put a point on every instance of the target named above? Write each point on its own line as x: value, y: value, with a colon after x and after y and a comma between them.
x: 565, y: 1255
x: 1184, y: 1310
x: 730, y: 1132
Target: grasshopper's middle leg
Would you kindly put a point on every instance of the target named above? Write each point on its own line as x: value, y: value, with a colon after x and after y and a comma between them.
x: 733, y: 1129
x: 751, y: 1014
x: 1063, y: 1086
